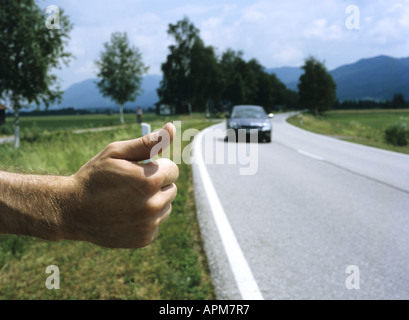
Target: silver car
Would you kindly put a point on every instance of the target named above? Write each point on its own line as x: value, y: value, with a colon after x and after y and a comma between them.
x: 247, y: 119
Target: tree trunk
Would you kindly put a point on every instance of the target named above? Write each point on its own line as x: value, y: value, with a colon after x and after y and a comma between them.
x: 121, y: 114
x: 16, y: 128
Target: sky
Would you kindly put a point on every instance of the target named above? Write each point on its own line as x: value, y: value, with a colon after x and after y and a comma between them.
x: 276, y: 33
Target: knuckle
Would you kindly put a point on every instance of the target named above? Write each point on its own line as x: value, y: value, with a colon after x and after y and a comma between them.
x: 112, y: 148
x: 152, y: 184
x: 154, y: 206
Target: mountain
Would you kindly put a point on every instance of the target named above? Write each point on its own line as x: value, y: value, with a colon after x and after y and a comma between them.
x: 376, y: 78
x: 287, y: 75
x: 86, y: 95
x: 373, y: 78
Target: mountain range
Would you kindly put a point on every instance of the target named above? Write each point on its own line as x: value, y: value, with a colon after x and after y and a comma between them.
x: 377, y: 78
x: 86, y: 95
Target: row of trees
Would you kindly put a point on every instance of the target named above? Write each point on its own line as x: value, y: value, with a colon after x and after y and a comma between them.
x: 398, y: 101
x: 195, y: 79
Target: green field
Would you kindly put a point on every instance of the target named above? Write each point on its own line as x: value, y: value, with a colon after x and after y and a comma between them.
x: 72, y: 122
x: 365, y: 127
x: 173, y: 267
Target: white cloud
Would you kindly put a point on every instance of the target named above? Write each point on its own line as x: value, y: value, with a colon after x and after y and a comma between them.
x: 288, y: 56
x: 275, y: 33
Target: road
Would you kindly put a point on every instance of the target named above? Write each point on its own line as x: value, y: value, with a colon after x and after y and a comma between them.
x: 313, y: 217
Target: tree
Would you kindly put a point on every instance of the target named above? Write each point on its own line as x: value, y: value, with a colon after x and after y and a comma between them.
x: 205, y: 77
x: 317, y: 88
x: 190, y: 73
x: 398, y: 101
x: 247, y: 82
x: 120, y: 71
x: 235, y: 82
x: 28, y: 53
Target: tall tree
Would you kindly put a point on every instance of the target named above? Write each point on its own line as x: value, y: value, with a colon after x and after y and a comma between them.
x: 247, y: 82
x: 29, y: 51
x: 190, y: 70
x: 121, y: 70
x: 317, y: 88
x: 398, y: 101
x: 235, y: 90
x: 205, y: 77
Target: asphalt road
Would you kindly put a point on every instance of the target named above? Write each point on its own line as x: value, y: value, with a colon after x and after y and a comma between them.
x: 314, y: 217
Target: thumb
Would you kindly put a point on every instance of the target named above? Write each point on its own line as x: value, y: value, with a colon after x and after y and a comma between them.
x: 148, y: 146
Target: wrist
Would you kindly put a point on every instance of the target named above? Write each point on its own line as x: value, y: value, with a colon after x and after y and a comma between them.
x: 35, y: 205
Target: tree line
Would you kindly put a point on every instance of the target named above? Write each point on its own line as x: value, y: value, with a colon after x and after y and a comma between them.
x: 195, y: 78
x: 397, y: 102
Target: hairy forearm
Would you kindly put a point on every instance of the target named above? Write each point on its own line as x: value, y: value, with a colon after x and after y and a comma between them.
x: 33, y: 205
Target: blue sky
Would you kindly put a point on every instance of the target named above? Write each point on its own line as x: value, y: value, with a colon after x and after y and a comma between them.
x: 276, y: 33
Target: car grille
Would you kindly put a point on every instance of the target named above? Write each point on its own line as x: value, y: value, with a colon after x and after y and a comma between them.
x: 250, y: 127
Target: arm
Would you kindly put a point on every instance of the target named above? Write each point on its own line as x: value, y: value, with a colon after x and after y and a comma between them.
x: 113, y: 200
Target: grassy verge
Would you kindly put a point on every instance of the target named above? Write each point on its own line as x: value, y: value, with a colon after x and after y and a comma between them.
x: 173, y: 267
x: 41, y: 124
x: 365, y: 127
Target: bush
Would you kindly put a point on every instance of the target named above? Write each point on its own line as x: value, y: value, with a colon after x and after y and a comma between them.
x: 397, y: 135
x: 6, y: 130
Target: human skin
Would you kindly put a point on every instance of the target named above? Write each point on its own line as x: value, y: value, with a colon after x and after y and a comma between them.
x: 116, y: 200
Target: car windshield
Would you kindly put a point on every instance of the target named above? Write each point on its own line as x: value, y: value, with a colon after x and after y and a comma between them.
x: 252, y: 113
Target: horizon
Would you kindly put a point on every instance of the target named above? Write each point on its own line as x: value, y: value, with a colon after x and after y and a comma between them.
x: 267, y: 68
x: 277, y: 34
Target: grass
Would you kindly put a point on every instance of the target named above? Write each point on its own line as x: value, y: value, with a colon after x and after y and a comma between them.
x: 173, y: 267
x: 365, y: 127
x: 74, y: 122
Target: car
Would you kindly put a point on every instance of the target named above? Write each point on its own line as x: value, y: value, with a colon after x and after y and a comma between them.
x: 249, y: 119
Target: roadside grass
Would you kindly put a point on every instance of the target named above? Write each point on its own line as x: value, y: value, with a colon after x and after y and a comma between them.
x: 173, y: 267
x: 35, y: 124
x: 365, y: 127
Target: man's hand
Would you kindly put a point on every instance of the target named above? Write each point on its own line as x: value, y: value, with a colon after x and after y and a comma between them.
x: 114, y: 200
x: 120, y: 201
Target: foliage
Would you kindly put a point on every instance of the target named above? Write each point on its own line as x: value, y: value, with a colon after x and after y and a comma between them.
x: 317, y: 88
x: 397, y: 102
x: 28, y: 52
x: 189, y: 69
x: 195, y: 79
x: 120, y: 70
x: 397, y: 134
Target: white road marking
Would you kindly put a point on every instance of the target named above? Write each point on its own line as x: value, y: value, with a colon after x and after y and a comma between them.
x: 310, y: 155
x: 244, y: 277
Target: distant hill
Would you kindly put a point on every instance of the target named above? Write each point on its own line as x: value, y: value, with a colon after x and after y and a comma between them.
x: 287, y: 75
x: 86, y: 95
x: 373, y: 78
x: 377, y: 78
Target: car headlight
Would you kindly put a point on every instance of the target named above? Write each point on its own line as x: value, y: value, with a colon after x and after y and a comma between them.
x: 234, y: 125
x: 266, y: 126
